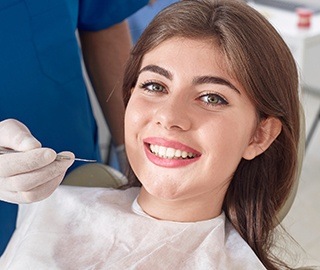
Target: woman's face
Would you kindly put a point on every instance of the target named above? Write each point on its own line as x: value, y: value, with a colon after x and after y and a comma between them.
x: 188, y: 123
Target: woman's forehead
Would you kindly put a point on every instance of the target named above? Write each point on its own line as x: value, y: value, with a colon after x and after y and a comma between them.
x: 176, y: 45
x: 182, y: 48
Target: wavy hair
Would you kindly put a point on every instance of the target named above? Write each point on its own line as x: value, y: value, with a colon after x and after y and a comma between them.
x: 261, y: 62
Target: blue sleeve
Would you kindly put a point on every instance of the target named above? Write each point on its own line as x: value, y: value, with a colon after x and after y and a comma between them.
x: 95, y: 15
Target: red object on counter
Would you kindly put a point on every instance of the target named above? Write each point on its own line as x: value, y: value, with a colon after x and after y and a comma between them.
x: 304, y: 16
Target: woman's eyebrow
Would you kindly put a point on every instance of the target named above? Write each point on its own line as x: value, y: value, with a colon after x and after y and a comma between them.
x: 214, y: 80
x: 157, y: 69
x: 196, y: 81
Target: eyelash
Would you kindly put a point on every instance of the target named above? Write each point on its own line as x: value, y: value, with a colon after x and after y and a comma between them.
x: 222, y: 101
x: 146, y: 84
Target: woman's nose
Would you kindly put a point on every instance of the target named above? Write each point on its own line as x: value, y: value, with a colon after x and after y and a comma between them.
x: 173, y: 114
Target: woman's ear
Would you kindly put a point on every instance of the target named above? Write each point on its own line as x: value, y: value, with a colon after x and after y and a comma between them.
x: 267, y: 131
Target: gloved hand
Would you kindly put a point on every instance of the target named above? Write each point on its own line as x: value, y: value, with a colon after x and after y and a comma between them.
x: 31, y: 175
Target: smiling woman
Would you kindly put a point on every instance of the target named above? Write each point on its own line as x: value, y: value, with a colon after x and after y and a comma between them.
x: 203, y: 78
x: 177, y: 105
x: 212, y: 109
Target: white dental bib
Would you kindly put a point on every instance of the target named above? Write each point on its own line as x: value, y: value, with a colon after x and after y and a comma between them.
x: 98, y: 228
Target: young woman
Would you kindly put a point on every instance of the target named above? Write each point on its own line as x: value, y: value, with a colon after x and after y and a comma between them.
x: 251, y: 60
x: 212, y: 130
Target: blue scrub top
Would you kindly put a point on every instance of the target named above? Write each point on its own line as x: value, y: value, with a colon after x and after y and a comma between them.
x: 40, y: 67
x: 41, y: 77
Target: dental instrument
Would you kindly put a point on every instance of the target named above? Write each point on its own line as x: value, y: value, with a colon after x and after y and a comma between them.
x: 4, y: 150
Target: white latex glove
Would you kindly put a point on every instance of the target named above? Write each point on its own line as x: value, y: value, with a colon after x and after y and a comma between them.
x: 31, y: 175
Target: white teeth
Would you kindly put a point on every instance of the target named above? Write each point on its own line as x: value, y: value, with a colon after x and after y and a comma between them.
x: 177, y: 153
x: 162, y: 151
x: 170, y: 153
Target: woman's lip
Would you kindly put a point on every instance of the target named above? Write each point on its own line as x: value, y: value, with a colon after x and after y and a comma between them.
x: 167, y: 162
x: 170, y: 144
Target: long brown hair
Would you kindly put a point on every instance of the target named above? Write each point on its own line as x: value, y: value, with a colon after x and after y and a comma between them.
x: 259, y: 59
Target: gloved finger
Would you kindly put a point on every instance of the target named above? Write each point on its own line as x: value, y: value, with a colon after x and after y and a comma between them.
x: 32, y: 179
x: 35, y: 185
x: 24, y: 162
x: 34, y: 195
x: 15, y: 135
x: 9, y: 196
x: 41, y: 192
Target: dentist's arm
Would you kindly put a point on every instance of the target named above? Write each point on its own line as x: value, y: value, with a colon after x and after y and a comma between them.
x: 31, y: 175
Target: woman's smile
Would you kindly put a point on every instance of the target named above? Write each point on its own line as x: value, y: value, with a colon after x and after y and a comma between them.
x: 167, y: 153
x: 188, y: 122
x: 170, y: 153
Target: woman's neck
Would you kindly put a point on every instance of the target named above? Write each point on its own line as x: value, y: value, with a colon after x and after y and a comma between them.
x: 198, y: 208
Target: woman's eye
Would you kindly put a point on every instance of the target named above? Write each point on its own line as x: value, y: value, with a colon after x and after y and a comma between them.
x: 213, y: 99
x: 152, y: 87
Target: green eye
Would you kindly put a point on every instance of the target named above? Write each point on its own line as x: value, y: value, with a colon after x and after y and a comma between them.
x: 153, y: 87
x: 157, y: 87
x: 213, y: 99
